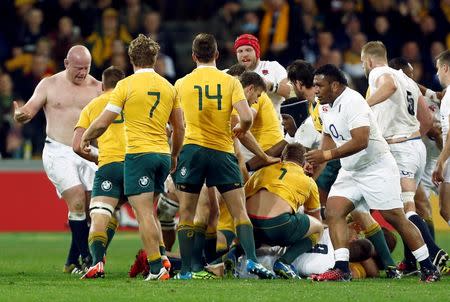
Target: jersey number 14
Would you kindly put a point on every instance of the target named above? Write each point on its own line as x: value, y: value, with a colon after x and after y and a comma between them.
x: 217, y: 97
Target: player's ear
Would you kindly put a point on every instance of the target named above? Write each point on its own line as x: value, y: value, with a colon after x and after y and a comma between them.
x: 194, y: 58
x: 216, y: 55
x: 66, y: 63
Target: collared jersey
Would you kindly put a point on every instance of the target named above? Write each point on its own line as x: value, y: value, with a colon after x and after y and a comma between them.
x: 275, y: 73
x: 289, y: 182
x: 266, y: 126
x: 207, y: 96
x: 396, y: 116
x: 349, y: 111
x: 313, y: 110
x: 111, y: 144
x: 147, y: 100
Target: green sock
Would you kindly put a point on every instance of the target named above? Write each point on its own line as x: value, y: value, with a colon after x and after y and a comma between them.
x: 186, y: 244
x: 199, y: 246
x: 97, y: 246
x: 155, y: 266
x: 210, y: 247
x: 111, y: 230
x: 162, y: 250
x: 375, y: 234
x: 245, y: 235
x: 430, y: 225
x: 295, y: 250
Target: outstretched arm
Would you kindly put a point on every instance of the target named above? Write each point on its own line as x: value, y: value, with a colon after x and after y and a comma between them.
x: 25, y: 113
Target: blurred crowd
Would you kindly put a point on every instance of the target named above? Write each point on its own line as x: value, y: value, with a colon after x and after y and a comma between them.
x: 36, y: 35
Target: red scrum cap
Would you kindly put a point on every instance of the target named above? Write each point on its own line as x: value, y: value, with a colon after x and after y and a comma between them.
x: 247, y: 39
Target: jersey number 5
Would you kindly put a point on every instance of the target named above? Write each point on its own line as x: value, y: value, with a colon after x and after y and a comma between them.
x: 410, y: 102
x: 158, y: 96
x: 217, y: 97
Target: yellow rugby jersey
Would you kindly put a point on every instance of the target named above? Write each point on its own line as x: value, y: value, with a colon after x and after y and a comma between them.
x: 266, y: 126
x: 207, y: 96
x: 147, y: 100
x: 313, y: 109
x: 111, y: 144
x: 289, y: 182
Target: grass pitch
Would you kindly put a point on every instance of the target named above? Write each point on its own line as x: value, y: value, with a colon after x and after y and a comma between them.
x: 31, y: 270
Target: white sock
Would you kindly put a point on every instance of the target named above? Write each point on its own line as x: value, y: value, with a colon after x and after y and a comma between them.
x: 448, y: 222
x: 421, y: 253
x: 342, y: 254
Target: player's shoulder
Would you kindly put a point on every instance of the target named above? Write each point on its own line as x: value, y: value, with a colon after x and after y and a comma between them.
x: 93, y: 81
x: 272, y: 64
x: 380, y: 71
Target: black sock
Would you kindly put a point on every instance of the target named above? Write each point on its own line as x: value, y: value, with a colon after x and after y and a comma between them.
x: 80, y: 232
x: 342, y: 265
x: 422, y: 226
x: 74, y: 254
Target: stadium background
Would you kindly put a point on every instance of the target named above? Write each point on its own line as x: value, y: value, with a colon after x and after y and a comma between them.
x: 35, y: 36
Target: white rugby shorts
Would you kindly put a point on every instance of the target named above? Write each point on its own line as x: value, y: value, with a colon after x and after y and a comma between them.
x: 65, y: 168
x: 376, y: 186
x: 411, y: 157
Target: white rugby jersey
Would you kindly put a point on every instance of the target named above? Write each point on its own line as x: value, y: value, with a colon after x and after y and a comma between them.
x: 445, y: 111
x: 349, y: 111
x: 319, y: 259
x: 275, y: 73
x: 396, y: 116
x: 307, y: 135
x: 316, y: 261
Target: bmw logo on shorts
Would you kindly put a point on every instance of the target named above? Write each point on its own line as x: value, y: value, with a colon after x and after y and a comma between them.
x: 106, y: 185
x: 144, y: 181
x: 183, y: 171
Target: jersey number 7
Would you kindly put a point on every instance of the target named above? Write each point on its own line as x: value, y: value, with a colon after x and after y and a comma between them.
x: 158, y: 96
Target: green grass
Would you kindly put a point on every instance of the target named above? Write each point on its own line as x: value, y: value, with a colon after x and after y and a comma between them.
x: 31, y: 265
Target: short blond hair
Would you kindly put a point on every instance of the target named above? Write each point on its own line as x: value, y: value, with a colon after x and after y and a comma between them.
x: 375, y: 49
x: 143, y: 51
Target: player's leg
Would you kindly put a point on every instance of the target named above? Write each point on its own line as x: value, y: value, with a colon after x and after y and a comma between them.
x: 167, y: 208
x: 374, y: 233
x: 304, y: 232
x: 444, y: 201
x: 412, y: 238
x: 211, y: 230
x: 101, y: 211
x: 78, y: 223
x: 143, y: 178
x: 201, y: 220
x: 423, y: 207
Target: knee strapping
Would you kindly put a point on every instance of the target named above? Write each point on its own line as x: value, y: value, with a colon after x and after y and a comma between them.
x: 76, y: 216
x: 408, y: 197
x: 167, y: 209
x: 103, y: 208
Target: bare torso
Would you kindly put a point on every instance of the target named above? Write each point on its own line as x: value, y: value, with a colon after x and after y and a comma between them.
x: 64, y: 102
x: 267, y: 204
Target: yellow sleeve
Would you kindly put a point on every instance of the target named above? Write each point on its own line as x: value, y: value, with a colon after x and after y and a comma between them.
x: 178, y: 92
x: 84, y: 121
x: 119, y: 94
x: 238, y: 92
x: 313, y: 201
x: 176, y: 99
